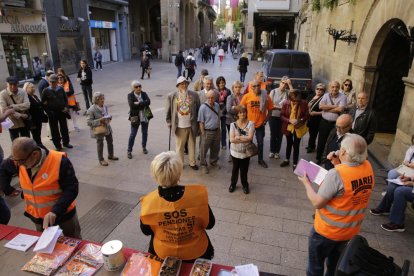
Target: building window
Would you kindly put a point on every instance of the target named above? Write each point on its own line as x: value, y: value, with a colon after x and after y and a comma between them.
x: 68, y: 8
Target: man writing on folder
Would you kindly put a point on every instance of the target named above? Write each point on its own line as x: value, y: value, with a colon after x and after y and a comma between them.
x: 340, y: 204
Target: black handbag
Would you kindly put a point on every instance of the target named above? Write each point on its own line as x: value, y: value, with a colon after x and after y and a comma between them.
x: 45, y: 118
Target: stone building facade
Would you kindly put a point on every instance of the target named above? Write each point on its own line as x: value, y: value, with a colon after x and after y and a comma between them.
x: 171, y: 25
x: 378, y: 62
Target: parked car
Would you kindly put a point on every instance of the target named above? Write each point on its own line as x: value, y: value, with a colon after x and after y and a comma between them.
x: 294, y: 64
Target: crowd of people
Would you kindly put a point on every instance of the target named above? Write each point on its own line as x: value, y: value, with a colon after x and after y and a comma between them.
x: 339, y: 122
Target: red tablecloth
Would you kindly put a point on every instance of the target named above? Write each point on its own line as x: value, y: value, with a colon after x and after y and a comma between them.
x: 9, y: 232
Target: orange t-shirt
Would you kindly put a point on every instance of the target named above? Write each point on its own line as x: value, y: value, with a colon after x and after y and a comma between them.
x: 252, y: 103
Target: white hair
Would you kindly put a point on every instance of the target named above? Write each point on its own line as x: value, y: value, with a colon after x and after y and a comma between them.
x: 166, y: 168
x: 355, y: 147
x: 96, y: 97
x: 134, y: 83
x: 207, y: 78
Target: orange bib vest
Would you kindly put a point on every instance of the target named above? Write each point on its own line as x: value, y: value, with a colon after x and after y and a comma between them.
x: 42, y: 194
x: 179, y: 227
x: 341, y: 218
x: 71, y: 98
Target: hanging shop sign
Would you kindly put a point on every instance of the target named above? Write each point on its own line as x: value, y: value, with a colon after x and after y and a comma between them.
x: 102, y: 24
x: 17, y: 27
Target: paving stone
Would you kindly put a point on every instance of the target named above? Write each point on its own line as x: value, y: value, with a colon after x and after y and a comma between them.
x: 232, y: 230
x: 226, y: 215
x: 275, y: 238
x: 293, y: 258
x: 296, y: 227
x: 255, y: 251
x: 277, y: 211
x: 238, y: 205
x: 259, y: 221
x: 303, y: 243
x: 226, y: 259
x: 220, y: 243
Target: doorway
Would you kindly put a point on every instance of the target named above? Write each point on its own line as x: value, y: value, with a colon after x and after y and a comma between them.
x: 392, y: 66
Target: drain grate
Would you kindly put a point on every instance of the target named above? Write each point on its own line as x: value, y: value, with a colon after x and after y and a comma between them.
x: 103, y: 218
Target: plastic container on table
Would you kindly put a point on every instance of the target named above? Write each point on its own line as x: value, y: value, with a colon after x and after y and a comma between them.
x: 201, y: 267
x: 170, y: 267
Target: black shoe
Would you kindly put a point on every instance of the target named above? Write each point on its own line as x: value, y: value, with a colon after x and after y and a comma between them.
x: 263, y: 163
x: 378, y: 212
x: 232, y: 188
x: 129, y: 155
x: 195, y: 167
x: 144, y: 150
x: 284, y: 163
x: 246, y: 190
x: 69, y: 146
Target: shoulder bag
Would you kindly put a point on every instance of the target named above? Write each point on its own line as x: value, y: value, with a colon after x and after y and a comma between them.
x: 148, y: 113
x: 100, y: 130
x: 251, y: 148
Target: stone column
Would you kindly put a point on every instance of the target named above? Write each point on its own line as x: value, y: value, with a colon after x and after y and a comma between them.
x: 405, y: 125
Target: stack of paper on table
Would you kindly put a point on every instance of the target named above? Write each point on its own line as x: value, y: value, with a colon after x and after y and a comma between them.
x: 48, y: 240
x: 21, y: 242
x: 313, y: 171
x: 247, y: 270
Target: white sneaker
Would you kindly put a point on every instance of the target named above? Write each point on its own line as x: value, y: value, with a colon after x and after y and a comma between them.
x: 277, y: 156
x: 271, y: 155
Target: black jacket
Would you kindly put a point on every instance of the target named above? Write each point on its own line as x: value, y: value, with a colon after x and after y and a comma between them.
x: 179, y: 59
x: 135, y: 109
x: 88, y: 76
x: 68, y: 182
x: 365, y: 124
x: 43, y: 83
x: 54, y: 100
x: 36, y: 110
x: 243, y: 63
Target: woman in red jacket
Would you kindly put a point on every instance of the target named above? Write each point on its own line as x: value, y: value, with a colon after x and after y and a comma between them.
x: 294, y: 115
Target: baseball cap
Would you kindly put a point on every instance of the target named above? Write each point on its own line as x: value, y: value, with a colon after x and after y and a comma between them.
x: 53, y: 78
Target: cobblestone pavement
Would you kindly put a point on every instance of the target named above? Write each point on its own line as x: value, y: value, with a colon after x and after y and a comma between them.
x: 268, y: 227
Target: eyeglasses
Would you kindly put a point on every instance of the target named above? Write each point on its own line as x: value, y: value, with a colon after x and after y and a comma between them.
x: 347, y: 84
x: 255, y: 85
x: 320, y: 89
x: 23, y: 161
x: 136, y: 86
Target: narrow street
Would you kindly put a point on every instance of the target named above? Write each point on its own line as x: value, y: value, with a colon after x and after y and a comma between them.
x: 268, y: 227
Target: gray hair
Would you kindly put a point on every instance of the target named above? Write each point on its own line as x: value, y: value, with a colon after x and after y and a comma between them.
x: 166, y: 169
x: 96, y: 97
x: 207, y: 78
x: 356, y: 147
x: 135, y: 83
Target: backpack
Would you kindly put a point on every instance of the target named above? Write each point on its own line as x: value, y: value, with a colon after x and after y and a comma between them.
x: 187, y: 63
x: 176, y: 61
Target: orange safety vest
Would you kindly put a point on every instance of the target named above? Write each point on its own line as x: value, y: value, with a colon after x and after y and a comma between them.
x: 71, y: 98
x: 341, y: 218
x: 250, y: 89
x: 179, y: 227
x: 43, y: 193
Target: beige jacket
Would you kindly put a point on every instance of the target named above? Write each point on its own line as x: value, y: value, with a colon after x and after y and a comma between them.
x: 21, y: 107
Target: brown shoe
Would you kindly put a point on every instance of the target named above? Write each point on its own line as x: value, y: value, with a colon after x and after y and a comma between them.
x: 103, y: 163
x: 113, y: 158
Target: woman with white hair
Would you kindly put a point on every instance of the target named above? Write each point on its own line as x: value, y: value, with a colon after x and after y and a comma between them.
x: 99, y: 121
x: 175, y: 216
x: 138, y: 101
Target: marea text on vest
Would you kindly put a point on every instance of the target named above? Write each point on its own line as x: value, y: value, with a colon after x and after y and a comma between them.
x: 362, y: 184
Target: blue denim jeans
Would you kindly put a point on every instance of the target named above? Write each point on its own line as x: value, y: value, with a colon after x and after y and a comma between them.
x: 180, y: 69
x: 395, y: 202
x: 260, y: 134
x: 242, y: 76
x: 321, y: 248
x: 134, y: 131
x: 4, y: 211
x: 275, y: 125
